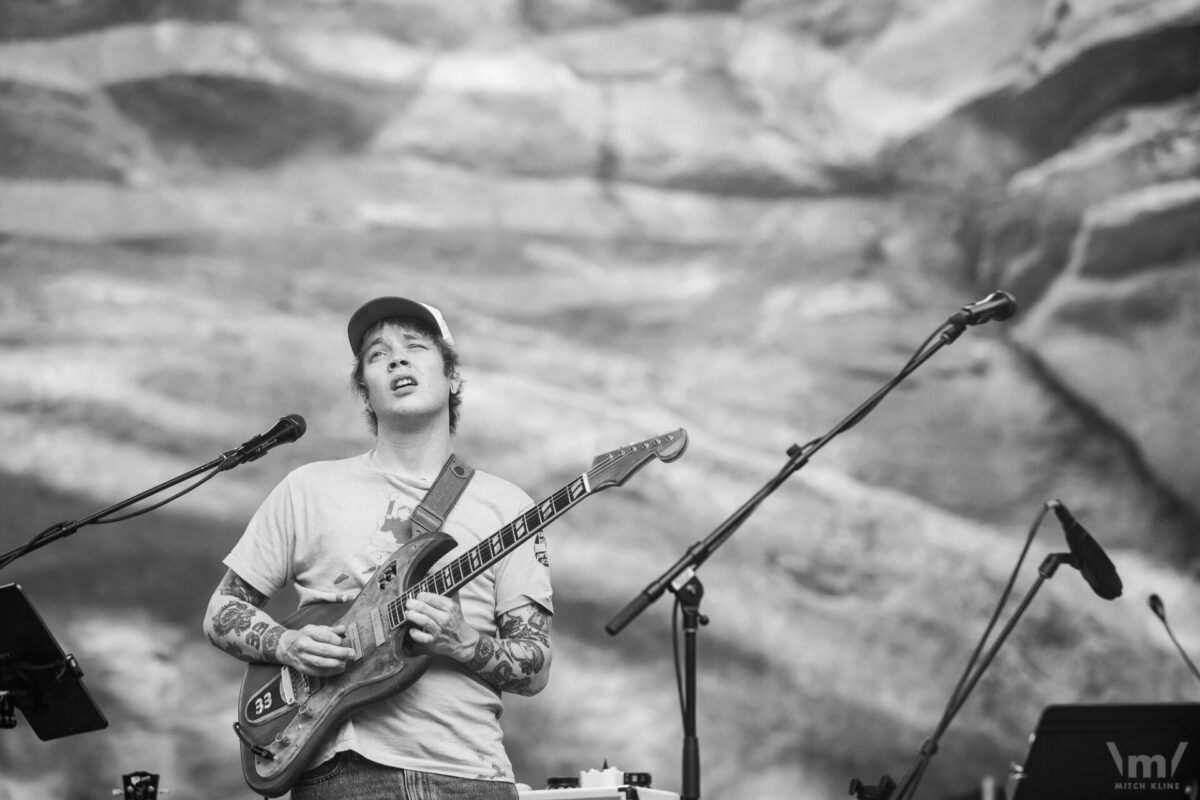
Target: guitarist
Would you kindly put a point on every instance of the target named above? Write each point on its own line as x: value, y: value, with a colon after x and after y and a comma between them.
x: 328, y: 526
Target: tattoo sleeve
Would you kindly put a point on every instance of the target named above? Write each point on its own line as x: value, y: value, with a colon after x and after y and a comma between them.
x: 517, y: 660
x: 237, y: 624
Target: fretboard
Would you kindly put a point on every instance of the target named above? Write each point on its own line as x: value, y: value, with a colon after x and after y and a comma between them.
x: 472, y: 563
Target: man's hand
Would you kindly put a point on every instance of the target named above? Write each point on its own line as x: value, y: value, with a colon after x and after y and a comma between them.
x: 438, y: 624
x: 315, y: 650
x: 518, y: 660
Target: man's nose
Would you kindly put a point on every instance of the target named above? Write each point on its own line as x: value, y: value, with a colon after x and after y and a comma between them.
x: 397, y: 361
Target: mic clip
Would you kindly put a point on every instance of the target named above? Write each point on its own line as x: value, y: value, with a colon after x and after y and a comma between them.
x: 246, y: 452
x: 881, y: 791
x: 997, y: 306
x: 288, y: 429
x: 235, y: 457
x: 1053, y: 561
x: 951, y: 330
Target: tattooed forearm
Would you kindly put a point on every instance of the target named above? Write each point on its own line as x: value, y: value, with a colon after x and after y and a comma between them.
x: 233, y: 586
x: 270, y: 642
x: 518, y: 659
x: 484, y: 650
x: 237, y: 624
x: 233, y: 617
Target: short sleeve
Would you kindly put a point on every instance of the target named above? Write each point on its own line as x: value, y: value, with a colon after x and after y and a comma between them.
x: 524, y: 576
x: 264, y: 554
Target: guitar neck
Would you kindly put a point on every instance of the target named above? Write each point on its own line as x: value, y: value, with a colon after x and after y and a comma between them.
x: 475, y: 561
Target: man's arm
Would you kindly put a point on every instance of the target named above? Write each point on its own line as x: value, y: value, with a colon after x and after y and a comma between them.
x: 237, y: 624
x: 517, y: 660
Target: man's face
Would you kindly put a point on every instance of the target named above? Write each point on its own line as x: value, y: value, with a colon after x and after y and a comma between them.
x: 405, y: 377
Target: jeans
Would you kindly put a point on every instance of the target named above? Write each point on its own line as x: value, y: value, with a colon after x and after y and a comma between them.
x: 349, y: 776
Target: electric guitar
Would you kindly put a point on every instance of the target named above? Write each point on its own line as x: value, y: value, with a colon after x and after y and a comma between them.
x: 284, y: 716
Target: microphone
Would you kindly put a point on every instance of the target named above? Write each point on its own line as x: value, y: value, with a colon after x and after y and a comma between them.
x: 288, y: 429
x: 997, y: 306
x: 1087, y: 555
x: 1156, y: 605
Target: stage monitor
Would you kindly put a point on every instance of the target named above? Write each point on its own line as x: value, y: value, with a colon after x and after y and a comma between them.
x: 1112, y: 752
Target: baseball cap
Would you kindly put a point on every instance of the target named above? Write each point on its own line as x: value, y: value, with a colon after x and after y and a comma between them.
x: 382, y: 308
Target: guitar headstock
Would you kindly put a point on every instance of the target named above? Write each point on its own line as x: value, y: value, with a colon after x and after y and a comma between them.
x: 614, y: 467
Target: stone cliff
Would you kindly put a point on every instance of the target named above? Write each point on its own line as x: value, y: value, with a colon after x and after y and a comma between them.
x: 738, y: 217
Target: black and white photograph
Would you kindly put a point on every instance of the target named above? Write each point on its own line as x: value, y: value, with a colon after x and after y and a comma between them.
x: 600, y: 399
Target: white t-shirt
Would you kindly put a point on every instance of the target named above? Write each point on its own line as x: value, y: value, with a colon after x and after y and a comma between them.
x: 327, y: 527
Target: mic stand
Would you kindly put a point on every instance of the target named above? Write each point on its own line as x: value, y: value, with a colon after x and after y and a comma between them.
x: 62, y: 530
x: 908, y: 785
x: 689, y: 603
x: 682, y: 574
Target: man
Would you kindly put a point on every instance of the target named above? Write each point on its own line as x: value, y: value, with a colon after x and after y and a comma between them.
x: 328, y: 526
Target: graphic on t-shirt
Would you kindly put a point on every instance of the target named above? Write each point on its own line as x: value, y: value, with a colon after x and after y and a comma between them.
x: 394, y: 529
x: 539, y: 549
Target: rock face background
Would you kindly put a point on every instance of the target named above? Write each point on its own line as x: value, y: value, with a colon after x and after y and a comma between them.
x: 740, y: 218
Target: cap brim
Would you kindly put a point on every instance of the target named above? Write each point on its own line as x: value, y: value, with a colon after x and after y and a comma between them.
x: 382, y: 308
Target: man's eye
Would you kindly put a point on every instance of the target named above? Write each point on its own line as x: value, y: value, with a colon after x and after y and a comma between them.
x: 374, y: 354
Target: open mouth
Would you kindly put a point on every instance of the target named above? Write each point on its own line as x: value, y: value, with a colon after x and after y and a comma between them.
x: 403, y: 383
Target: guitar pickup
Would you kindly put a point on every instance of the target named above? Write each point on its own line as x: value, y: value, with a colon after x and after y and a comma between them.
x: 377, y: 627
x: 352, y: 640
x: 287, y: 690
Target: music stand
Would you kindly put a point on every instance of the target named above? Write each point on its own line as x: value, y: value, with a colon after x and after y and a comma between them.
x: 37, y: 677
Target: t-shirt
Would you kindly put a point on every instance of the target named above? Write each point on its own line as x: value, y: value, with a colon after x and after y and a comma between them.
x: 327, y: 527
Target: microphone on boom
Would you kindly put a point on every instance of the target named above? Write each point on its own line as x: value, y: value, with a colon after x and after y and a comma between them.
x: 997, y: 306
x: 1160, y: 611
x: 288, y: 429
x: 1088, y: 557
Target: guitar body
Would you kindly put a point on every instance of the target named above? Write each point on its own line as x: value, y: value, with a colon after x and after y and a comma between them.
x: 284, y: 717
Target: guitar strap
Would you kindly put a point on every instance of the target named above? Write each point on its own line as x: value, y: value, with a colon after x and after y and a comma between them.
x: 429, y: 516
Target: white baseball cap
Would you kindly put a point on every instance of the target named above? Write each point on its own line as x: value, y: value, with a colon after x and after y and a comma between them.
x: 382, y: 308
